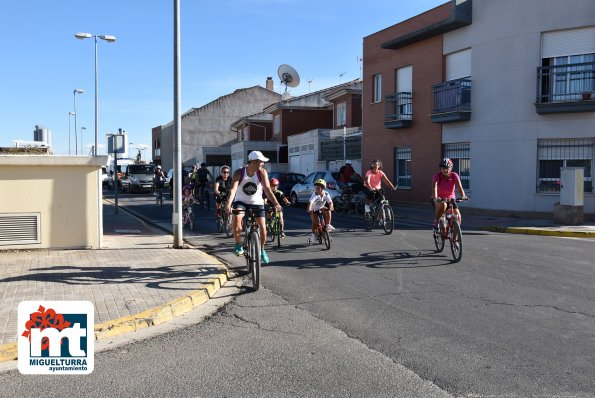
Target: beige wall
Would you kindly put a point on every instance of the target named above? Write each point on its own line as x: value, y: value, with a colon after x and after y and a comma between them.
x: 65, y: 190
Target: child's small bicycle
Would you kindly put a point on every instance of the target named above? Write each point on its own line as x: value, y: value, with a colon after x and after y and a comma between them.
x: 321, y: 232
x: 273, y: 224
x: 188, y: 217
x: 449, y: 228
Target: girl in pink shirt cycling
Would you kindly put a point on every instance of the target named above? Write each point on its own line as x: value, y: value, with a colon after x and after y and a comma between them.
x: 443, y: 187
x: 373, y: 182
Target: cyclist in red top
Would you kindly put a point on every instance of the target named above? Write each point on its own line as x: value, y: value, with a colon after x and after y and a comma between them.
x: 443, y: 186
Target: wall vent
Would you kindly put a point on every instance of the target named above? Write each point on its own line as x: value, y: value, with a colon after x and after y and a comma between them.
x: 20, y: 228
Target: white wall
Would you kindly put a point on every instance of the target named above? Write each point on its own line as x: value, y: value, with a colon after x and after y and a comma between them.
x: 505, y: 39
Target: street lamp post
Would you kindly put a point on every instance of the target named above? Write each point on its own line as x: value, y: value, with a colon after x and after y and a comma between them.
x: 76, y: 145
x: 82, y: 128
x: 69, y: 139
x: 109, y: 39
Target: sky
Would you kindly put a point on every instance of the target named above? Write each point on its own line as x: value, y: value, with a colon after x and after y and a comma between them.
x: 225, y: 45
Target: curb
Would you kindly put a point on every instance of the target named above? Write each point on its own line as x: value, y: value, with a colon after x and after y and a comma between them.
x: 145, y: 319
x: 549, y: 232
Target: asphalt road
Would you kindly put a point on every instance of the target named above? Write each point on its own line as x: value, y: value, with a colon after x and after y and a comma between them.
x: 515, y: 317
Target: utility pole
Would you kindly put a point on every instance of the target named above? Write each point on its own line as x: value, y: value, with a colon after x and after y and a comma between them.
x: 177, y: 214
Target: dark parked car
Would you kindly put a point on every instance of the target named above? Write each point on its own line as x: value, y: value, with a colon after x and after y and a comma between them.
x: 286, y: 181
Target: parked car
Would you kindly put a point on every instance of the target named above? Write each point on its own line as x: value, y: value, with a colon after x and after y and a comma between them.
x: 104, y: 177
x: 138, y: 177
x: 301, y: 192
x: 286, y: 180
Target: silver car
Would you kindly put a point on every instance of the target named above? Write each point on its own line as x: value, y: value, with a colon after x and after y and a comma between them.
x: 301, y: 192
x: 138, y: 178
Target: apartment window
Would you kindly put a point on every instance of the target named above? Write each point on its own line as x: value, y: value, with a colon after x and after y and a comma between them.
x: 377, y: 88
x: 459, y: 154
x: 245, y: 133
x: 403, y: 167
x: 568, y: 64
x: 276, y: 124
x: 554, y: 154
x: 404, y: 88
x: 341, y: 114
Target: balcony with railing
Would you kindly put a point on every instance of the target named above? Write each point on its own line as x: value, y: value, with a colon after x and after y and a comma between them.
x: 566, y: 88
x: 399, y: 110
x: 451, y: 101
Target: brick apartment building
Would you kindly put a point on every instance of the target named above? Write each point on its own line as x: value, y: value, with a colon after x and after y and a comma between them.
x: 401, y: 63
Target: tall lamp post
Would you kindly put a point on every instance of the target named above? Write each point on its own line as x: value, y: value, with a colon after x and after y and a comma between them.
x: 82, y: 128
x: 76, y: 145
x: 69, y: 139
x: 109, y: 39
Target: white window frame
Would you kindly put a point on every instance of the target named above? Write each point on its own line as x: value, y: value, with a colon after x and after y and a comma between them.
x: 276, y: 124
x: 403, y: 154
x: 341, y: 114
x: 377, y: 93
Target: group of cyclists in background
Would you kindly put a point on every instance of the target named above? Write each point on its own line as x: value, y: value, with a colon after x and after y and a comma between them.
x: 251, y: 190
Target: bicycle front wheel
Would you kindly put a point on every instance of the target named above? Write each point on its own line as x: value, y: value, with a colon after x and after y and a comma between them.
x: 388, y: 219
x: 227, y: 225
x: 207, y: 199
x: 254, y: 259
x: 439, y: 239
x: 456, y: 241
x: 327, y: 239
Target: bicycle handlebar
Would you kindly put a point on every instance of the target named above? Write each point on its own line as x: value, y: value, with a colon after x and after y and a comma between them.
x: 453, y: 199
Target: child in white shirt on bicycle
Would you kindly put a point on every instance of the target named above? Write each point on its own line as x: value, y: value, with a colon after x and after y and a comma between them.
x: 320, y: 200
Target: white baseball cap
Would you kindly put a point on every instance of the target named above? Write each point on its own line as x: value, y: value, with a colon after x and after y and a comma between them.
x: 257, y: 155
x: 348, y: 162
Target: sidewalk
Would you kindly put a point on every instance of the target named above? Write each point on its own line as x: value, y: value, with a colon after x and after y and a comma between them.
x: 136, y: 281
x: 474, y: 219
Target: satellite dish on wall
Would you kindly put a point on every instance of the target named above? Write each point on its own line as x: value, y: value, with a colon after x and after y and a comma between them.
x: 289, y: 76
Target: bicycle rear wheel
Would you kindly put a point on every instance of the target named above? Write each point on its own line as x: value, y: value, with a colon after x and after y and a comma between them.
x: 358, y: 206
x: 439, y: 239
x: 326, y: 238
x: 456, y: 241
x: 254, y: 259
x: 388, y: 219
x: 369, y: 220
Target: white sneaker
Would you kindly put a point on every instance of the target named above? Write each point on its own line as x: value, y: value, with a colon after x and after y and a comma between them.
x: 329, y: 227
x: 313, y: 238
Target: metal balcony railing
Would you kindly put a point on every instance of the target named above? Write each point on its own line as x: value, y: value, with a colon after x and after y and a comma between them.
x: 452, y: 96
x: 399, y: 107
x: 566, y: 83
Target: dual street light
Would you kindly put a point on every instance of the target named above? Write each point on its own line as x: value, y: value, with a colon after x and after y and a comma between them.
x: 109, y: 39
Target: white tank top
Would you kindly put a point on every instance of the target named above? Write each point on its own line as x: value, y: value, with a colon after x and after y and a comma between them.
x: 250, y: 190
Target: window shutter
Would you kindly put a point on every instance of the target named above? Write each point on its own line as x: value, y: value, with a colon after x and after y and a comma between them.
x: 568, y: 42
x: 405, y: 80
x: 458, y: 65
